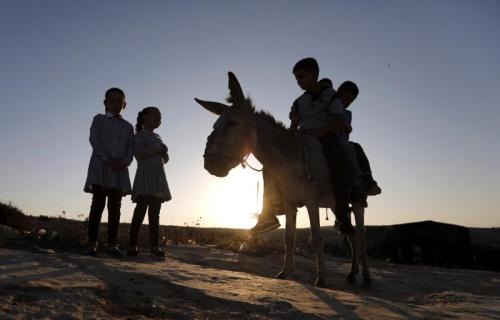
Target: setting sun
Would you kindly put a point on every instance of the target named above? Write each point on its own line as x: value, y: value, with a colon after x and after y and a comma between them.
x: 233, y: 201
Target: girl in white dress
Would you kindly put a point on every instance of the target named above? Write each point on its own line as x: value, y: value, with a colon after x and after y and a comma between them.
x: 150, y: 187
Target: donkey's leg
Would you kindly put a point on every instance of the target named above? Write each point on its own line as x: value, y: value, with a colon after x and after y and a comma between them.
x: 353, y: 241
x: 354, y: 247
x: 317, y: 243
x: 359, y: 215
x: 289, y: 261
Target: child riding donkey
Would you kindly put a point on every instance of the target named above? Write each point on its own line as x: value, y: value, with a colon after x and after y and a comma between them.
x: 322, y: 112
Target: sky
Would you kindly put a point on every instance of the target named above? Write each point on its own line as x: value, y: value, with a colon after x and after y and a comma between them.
x: 427, y: 114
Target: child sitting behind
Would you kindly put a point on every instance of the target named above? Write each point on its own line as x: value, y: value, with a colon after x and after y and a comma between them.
x: 358, y: 160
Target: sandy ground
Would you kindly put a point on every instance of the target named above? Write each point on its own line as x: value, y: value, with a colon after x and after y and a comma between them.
x: 204, y: 283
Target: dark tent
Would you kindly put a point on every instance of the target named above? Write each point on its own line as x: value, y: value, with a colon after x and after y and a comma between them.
x: 426, y: 242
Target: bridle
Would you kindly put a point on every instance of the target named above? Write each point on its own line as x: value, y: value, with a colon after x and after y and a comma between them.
x: 243, y: 161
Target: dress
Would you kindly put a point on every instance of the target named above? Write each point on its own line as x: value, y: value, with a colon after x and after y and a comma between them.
x: 112, y: 138
x: 150, y: 178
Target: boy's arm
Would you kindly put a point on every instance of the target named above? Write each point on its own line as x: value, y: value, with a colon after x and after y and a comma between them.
x: 335, y: 122
x: 96, y: 142
x: 294, y: 116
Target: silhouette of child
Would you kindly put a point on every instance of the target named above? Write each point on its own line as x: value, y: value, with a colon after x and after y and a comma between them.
x: 318, y: 111
x: 150, y: 183
x: 330, y: 121
x: 313, y: 113
x: 112, y: 141
x: 360, y: 164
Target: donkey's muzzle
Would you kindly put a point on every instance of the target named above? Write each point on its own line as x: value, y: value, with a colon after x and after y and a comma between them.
x: 218, y: 166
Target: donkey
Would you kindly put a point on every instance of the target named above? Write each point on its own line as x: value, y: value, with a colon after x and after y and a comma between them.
x: 241, y: 130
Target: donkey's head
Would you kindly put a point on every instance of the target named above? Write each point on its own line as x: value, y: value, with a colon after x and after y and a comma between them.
x: 234, y: 136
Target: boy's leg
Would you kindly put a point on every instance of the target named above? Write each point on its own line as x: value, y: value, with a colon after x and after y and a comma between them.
x: 137, y: 219
x: 355, y: 174
x: 114, y: 205
x: 340, y: 180
x: 372, y: 187
x: 364, y: 164
x: 272, y: 200
x: 95, y: 215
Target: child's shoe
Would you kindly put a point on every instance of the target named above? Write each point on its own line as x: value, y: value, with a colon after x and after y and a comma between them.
x: 115, y: 251
x: 371, y: 186
x: 92, y: 249
x: 344, y: 228
x: 265, y: 225
x: 344, y: 224
x: 158, y: 252
x: 133, y: 251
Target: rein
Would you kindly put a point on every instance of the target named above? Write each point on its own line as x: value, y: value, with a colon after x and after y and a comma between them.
x: 244, y: 164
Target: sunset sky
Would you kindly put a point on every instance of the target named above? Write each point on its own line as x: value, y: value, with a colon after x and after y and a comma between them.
x: 427, y: 115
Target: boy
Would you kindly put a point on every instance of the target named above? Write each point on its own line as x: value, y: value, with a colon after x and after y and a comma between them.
x: 112, y: 140
x: 314, y: 113
x: 359, y: 162
x: 357, y: 157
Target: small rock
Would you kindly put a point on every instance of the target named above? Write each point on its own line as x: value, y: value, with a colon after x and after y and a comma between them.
x: 243, y: 247
x: 43, y: 250
x: 7, y: 232
x: 53, y: 235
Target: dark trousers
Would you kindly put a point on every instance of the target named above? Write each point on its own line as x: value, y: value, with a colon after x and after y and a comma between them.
x: 340, y: 171
x: 272, y: 197
x: 363, y: 162
x: 152, y: 205
x: 99, y: 195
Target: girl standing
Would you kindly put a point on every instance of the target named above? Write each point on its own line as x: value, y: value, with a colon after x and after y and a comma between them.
x: 150, y: 188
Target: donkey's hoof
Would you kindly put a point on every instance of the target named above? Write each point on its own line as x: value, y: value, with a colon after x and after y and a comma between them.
x: 367, y: 283
x: 351, y: 278
x: 283, y: 274
x: 320, y: 283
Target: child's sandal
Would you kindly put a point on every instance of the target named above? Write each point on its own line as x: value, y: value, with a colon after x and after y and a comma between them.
x: 133, y: 252
x: 158, y: 252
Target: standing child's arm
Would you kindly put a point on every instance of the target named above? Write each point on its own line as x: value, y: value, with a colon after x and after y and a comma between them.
x: 130, y: 148
x: 96, y: 142
x: 142, y: 151
x: 164, y: 154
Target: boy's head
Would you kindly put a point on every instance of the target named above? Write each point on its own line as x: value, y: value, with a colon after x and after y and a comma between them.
x: 326, y: 83
x: 347, y: 93
x: 114, y: 100
x: 306, y: 73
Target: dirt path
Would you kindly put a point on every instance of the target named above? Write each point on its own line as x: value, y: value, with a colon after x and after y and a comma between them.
x: 204, y: 283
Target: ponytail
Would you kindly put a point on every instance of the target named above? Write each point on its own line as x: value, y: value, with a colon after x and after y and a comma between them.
x: 139, y: 125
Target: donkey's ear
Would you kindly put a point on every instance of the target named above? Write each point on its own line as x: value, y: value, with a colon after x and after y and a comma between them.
x: 214, y: 107
x: 235, y: 91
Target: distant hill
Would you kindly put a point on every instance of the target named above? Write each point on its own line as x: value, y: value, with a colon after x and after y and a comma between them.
x: 425, y: 242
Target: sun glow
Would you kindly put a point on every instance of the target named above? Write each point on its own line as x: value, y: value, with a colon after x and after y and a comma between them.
x: 235, y: 200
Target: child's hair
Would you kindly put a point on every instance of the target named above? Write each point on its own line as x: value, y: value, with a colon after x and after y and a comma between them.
x: 140, y: 125
x: 349, y: 86
x: 308, y: 64
x: 327, y: 82
x: 113, y: 90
